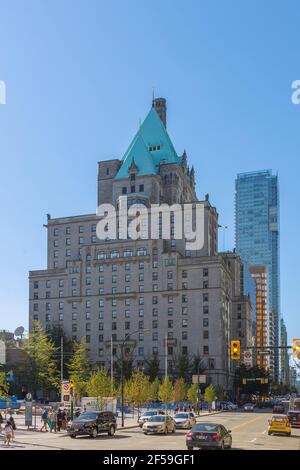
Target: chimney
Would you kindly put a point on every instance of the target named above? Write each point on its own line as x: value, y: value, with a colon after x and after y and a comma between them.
x: 160, y: 105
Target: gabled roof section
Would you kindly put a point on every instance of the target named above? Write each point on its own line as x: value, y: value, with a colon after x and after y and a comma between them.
x: 150, y: 147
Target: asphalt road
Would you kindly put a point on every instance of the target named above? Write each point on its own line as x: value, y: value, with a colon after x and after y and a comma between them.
x: 249, y: 431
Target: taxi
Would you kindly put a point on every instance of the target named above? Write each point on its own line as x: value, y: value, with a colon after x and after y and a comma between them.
x: 279, y: 425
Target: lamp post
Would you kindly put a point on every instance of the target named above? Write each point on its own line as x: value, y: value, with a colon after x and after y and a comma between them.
x: 122, y: 370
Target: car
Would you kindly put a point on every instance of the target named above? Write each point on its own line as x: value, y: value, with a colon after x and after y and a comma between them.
x: 279, y: 408
x: 159, y: 424
x: 249, y: 407
x: 92, y: 423
x: 145, y: 416
x: 232, y: 406
x: 208, y: 436
x: 279, y: 425
x: 294, y: 418
x: 184, y: 420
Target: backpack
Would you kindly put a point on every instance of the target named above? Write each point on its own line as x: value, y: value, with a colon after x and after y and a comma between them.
x: 45, y: 415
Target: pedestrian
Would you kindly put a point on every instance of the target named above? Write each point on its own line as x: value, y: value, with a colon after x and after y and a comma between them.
x: 64, y: 420
x: 59, y: 419
x: 7, y: 433
x: 51, y: 420
x: 1, y: 421
x: 77, y: 413
x: 13, y: 427
x: 44, y: 419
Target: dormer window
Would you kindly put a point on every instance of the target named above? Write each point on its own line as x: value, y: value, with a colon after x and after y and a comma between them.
x: 132, y: 177
x: 153, y: 148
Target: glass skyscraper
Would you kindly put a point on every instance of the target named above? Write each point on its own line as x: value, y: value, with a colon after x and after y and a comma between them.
x: 257, y: 240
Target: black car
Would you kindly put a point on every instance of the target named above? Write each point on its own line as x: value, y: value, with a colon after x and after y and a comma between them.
x: 92, y: 423
x: 208, y: 436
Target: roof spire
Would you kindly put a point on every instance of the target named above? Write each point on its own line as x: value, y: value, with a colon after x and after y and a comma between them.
x: 153, y: 98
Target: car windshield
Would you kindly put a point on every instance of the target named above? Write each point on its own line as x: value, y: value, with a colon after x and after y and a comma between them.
x: 88, y: 415
x: 157, y: 418
x: 278, y: 420
x: 149, y: 413
x: 248, y: 404
x: 205, y: 428
x: 181, y: 415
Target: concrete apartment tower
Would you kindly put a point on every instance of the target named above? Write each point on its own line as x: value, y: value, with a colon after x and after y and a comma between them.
x: 166, y: 300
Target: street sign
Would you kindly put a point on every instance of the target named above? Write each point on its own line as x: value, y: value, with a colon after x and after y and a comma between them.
x: 28, y: 396
x: 247, y: 358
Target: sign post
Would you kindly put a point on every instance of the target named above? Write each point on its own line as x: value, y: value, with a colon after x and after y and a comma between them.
x: 28, y: 413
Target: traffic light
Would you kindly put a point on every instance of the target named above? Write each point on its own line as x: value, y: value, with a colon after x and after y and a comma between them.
x: 235, y: 349
x: 296, y: 348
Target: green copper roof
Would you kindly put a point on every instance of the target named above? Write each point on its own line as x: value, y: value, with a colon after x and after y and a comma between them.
x: 150, y: 147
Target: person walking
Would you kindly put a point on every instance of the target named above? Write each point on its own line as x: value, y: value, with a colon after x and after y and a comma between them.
x: 13, y: 427
x: 1, y: 421
x: 64, y: 420
x: 7, y: 433
x: 44, y: 420
x: 51, y: 420
x: 59, y: 419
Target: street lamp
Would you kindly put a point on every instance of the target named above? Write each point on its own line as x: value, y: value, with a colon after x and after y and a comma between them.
x: 122, y: 370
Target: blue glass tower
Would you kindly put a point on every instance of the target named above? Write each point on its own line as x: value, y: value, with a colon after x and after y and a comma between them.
x: 257, y: 240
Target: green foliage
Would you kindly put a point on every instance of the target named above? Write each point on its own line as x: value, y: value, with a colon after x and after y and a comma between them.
x: 186, y: 365
x: 100, y: 386
x: 179, y: 390
x: 152, y: 367
x: 79, y: 369
x: 38, y: 369
x: 210, y: 394
x: 192, y: 393
x: 137, y: 389
x: 55, y: 333
x: 165, y: 391
x: 154, y: 388
x: 4, y: 386
x: 251, y: 387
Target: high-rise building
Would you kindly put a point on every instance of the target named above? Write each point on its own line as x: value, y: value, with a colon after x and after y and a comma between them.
x: 155, y: 295
x: 284, y: 357
x: 257, y: 241
x: 259, y: 274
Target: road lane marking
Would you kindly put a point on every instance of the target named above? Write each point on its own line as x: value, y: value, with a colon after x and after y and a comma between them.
x: 253, y: 440
x: 248, y: 422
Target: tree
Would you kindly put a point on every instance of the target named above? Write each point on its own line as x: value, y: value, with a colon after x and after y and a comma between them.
x: 186, y: 365
x: 79, y: 369
x: 137, y: 389
x: 38, y: 368
x: 179, y: 391
x: 210, y: 394
x: 152, y: 367
x: 253, y: 386
x: 55, y: 333
x: 4, y: 386
x: 100, y: 386
x: 192, y: 393
x: 154, y: 387
x: 165, y: 391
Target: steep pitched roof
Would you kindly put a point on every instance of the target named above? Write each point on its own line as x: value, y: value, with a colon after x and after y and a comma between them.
x: 150, y: 147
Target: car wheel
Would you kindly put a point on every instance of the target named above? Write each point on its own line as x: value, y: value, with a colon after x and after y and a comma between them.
x: 73, y: 436
x: 173, y: 430
x: 166, y: 431
x: 111, y: 431
x: 222, y: 446
x: 269, y: 433
x: 145, y: 432
x: 190, y: 448
x: 94, y: 433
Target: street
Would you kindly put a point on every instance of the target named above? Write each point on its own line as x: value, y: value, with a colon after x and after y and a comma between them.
x: 249, y: 432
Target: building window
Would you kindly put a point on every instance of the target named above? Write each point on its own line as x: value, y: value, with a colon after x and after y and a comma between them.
x: 154, y: 299
x: 36, y: 307
x: 101, y: 279
x: 154, y: 276
x: 93, y: 228
x: 101, y: 268
x: 127, y: 302
x: 36, y: 284
x: 184, y: 349
x: 170, y: 299
x: 205, y: 284
x: 114, y: 302
x: 127, y: 289
x: 155, y: 287
x: 205, y: 350
x: 127, y: 313
x: 101, y: 315
x: 124, y: 190
x: 127, y: 325
x: 68, y: 252
x: 170, y: 311
x: 48, y: 306
x: 141, y: 325
x: 101, y: 328
x: 154, y: 324
x: 114, y: 326
x: 141, y: 300
x: 141, y: 276
x: 127, y: 266
x: 101, y: 302
x: 88, y: 338
x: 68, y: 241
x: 205, y: 322
x: 154, y: 264
x: 35, y: 295
x: 100, y: 338
x: 170, y: 323
x: 141, y: 188
x: 184, y: 299
x: 55, y: 243
x: 141, y: 336
x: 141, y: 312
x: 55, y: 232
x: 205, y: 297
x: 155, y: 350
x: 48, y: 284
x: 141, y: 264
x: 61, y: 305
x: 184, y: 274
x: 141, y: 288
x: 205, y: 334
x: 88, y: 292
x: 141, y: 351
x: 88, y: 281
x: 74, y: 305
x: 155, y: 312
x: 205, y: 309
x: 184, y: 335
x: 74, y: 316
x: 205, y: 272
x: 141, y: 252
x: 48, y: 317
x: 56, y: 254
x: 170, y: 274
x: 184, y: 323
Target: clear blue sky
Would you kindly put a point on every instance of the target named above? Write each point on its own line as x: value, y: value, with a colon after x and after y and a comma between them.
x: 80, y: 75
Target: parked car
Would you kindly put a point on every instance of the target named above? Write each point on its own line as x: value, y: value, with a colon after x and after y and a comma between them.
x: 159, y: 424
x: 249, y: 407
x: 209, y: 436
x: 279, y: 408
x: 93, y: 423
x: 185, y: 420
x: 279, y: 425
x: 145, y: 416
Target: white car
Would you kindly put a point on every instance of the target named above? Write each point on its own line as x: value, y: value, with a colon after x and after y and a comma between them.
x: 145, y: 416
x: 159, y: 424
x: 184, y: 420
x: 232, y: 406
x: 248, y: 407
